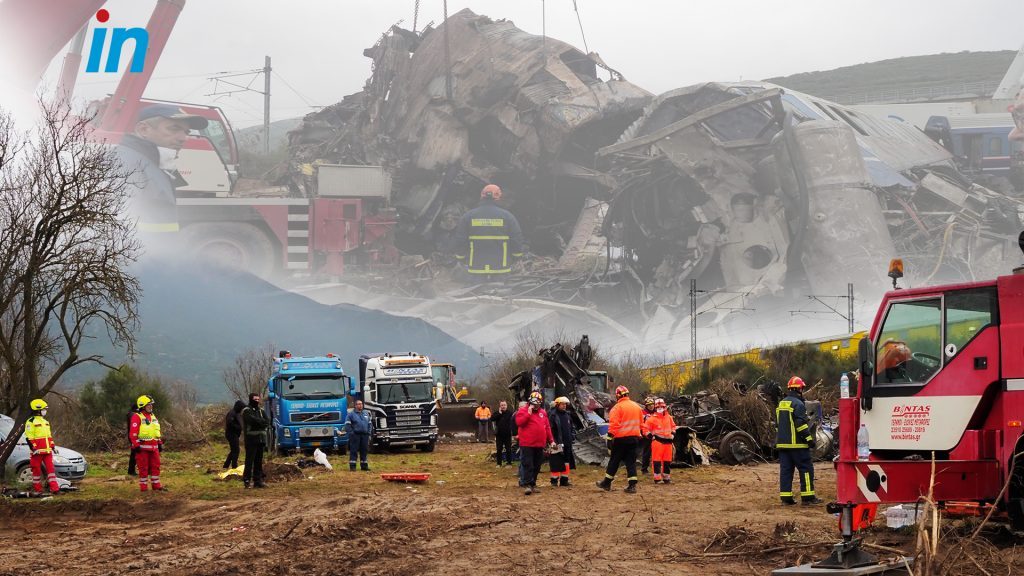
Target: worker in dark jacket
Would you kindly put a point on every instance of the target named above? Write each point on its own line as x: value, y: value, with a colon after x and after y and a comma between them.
x: 504, y: 422
x: 645, y: 442
x: 562, y: 459
x: 488, y: 236
x: 232, y: 431
x: 359, y: 428
x: 793, y: 441
x: 147, y: 154
x: 128, y: 427
x: 255, y: 423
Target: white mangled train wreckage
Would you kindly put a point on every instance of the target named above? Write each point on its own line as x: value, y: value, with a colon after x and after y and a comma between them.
x: 755, y: 194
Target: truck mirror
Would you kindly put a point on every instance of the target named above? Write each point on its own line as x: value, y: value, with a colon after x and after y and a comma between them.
x: 270, y: 394
x: 865, y: 354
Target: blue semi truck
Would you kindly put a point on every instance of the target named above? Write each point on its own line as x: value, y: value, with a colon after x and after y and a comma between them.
x: 307, y: 404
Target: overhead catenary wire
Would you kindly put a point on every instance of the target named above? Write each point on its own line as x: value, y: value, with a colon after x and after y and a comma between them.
x: 583, y: 34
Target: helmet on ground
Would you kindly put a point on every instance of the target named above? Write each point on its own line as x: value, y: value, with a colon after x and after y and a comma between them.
x: 796, y: 382
x: 536, y: 398
x: 143, y: 401
x: 621, y: 391
x: 38, y: 404
x: 491, y: 191
x: 659, y: 403
x: 561, y: 400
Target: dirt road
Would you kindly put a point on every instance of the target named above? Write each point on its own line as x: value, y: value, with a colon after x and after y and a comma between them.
x: 470, y: 518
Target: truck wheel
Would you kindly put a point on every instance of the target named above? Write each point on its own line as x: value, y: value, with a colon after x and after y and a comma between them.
x: 1015, y: 496
x: 737, y: 447
x: 235, y: 245
x: 427, y: 447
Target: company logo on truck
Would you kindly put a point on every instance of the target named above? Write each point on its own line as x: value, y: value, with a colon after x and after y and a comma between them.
x: 404, y: 371
x: 140, y: 36
x: 906, y: 410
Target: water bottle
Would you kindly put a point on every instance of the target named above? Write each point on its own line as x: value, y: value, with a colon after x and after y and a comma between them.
x: 844, y: 386
x: 863, y: 451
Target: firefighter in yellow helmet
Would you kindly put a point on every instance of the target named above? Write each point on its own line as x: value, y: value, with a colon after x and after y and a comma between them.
x: 793, y: 442
x: 144, y: 434
x: 40, y: 442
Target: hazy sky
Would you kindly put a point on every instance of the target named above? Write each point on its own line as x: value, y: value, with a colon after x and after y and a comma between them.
x: 317, y: 45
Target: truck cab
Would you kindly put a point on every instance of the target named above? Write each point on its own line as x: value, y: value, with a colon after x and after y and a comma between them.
x: 307, y: 404
x: 400, y: 393
x: 942, y: 377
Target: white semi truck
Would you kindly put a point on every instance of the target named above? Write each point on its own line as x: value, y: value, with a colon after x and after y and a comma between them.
x: 401, y: 395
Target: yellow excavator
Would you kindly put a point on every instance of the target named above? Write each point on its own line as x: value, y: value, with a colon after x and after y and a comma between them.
x: 455, y: 409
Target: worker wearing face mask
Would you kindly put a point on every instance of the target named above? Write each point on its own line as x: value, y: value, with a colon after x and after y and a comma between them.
x: 40, y: 442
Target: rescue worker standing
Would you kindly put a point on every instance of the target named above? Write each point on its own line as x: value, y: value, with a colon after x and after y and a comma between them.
x: 255, y: 423
x: 534, y: 435
x: 147, y: 443
x: 645, y: 442
x: 483, y: 423
x: 562, y: 431
x: 40, y: 443
x: 793, y: 442
x: 625, y: 428
x: 488, y: 236
x: 359, y: 427
x: 661, y: 431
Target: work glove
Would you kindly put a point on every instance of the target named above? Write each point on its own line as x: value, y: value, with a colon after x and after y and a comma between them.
x: 160, y: 447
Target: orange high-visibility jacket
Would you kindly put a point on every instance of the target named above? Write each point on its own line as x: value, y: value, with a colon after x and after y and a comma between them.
x: 626, y: 419
x: 483, y: 413
x: 661, y: 425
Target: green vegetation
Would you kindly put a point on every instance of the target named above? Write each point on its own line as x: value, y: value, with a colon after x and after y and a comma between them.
x: 935, y: 70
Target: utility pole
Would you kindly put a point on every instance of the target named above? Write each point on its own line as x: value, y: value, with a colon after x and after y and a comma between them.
x: 693, y: 319
x: 831, y: 309
x: 693, y: 311
x: 266, y: 105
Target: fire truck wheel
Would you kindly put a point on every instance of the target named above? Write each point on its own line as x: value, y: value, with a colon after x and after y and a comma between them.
x: 737, y: 447
x: 235, y: 245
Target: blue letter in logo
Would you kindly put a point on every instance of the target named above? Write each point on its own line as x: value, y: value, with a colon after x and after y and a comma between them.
x: 119, y: 37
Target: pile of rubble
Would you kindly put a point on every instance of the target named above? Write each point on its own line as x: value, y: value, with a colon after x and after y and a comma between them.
x: 744, y: 188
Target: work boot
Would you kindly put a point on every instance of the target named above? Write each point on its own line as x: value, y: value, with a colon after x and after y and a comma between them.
x: 351, y: 466
x: 364, y: 467
x: 554, y: 480
x: 528, y: 491
x: 811, y: 501
x: 535, y: 489
x: 666, y: 480
x: 246, y: 485
x: 564, y: 481
x: 605, y: 484
x: 788, y: 502
x: 631, y: 488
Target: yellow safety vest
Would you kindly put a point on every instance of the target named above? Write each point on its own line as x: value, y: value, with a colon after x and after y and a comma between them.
x: 149, y: 429
x: 37, y: 432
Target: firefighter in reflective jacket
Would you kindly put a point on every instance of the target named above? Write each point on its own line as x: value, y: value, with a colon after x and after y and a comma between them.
x: 793, y: 442
x: 147, y: 444
x: 625, y: 428
x: 40, y: 442
x: 661, y: 430
x: 488, y: 236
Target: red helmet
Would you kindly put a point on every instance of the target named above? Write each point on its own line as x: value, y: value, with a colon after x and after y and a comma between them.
x: 659, y: 403
x: 621, y: 391
x: 491, y: 191
x: 796, y: 382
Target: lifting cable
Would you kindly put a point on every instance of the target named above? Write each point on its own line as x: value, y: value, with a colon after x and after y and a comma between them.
x: 582, y: 33
x: 415, y: 16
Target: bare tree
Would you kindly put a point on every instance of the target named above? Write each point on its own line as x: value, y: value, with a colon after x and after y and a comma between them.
x: 65, y: 247
x: 249, y: 372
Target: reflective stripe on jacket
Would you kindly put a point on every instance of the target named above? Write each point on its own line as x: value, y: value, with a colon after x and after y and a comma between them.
x: 794, y: 431
x: 145, y: 431
x: 661, y: 425
x: 37, y: 432
x: 626, y: 419
x: 488, y: 239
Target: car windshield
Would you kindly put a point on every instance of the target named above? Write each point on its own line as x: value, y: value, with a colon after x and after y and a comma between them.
x: 5, y: 428
x: 309, y: 387
x: 399, y: 393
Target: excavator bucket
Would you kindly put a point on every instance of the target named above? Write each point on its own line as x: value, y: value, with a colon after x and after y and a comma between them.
x: 455, y: 414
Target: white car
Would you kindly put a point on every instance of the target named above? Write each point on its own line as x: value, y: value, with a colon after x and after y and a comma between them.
x: 70, y: 465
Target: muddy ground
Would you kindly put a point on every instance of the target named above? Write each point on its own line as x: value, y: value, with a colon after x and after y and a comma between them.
x: 713, y: 520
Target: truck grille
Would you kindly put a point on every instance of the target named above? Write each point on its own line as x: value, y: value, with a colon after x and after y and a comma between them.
x: 315, y: 417
x: 408, y: 418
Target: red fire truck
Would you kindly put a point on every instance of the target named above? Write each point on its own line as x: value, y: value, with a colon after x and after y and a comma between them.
x: 941, y: 380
